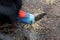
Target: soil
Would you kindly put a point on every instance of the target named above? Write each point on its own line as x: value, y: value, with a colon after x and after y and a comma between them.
x: 47, y: 28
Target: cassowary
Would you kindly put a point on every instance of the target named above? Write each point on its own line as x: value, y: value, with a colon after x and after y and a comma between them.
x: 8, y: 10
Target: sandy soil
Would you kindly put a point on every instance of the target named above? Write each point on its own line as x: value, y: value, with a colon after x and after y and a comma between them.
x: 47, y: 28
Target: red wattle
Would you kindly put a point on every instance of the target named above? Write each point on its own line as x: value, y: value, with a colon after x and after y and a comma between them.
x: 21, y: 14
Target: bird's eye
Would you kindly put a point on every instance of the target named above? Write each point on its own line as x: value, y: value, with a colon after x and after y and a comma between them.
x: 30, y: 22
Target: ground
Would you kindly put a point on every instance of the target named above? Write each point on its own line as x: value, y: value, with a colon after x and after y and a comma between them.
x: 47, y: 28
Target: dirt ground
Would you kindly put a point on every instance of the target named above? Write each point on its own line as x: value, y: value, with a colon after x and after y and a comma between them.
x: 47, y: 28
x: 50, y: 23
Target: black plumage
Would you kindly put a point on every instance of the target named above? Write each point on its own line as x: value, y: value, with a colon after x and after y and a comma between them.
x: 8, y: 10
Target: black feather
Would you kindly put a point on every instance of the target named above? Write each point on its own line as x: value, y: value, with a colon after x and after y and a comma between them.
x: 7, y: 14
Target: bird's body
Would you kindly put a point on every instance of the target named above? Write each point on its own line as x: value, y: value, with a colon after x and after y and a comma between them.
x: 8, y: 10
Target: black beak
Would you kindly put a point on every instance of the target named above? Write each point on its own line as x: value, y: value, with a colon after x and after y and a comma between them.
x: 40, y: 16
